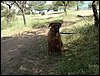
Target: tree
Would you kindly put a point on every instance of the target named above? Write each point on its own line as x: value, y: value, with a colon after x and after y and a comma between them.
x: 90, y: 5
x: 4, y: 10
x: 65, y: 4
x: 56, y: 4
x: 37, y: 5
x: 22, y: 5
x: 29, y: 3
x: 78, y: 4
x: 7, y: 12
x: 9, y: 3
x: 49, y: 7
x: 96, y: 17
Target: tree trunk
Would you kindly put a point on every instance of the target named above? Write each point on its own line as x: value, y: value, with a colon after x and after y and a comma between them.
x: 8, y: 13
x: 22, y: 10
x: 96, y: 19
x: 23, y: 13
x: 77, y: 6
x: 8, y: 16
x: 65, y: 9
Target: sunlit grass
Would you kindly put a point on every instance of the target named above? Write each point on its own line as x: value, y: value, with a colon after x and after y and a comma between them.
x: 32, y: 21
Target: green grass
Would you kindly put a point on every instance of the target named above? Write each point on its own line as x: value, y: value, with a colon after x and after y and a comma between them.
x: 82, y: 56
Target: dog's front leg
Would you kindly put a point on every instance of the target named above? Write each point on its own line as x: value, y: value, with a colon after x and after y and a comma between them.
x: 49, y: 49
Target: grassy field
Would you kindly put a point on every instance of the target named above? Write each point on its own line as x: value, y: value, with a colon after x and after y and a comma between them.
x: 82, y: 48
x: 35, y: 21
x: 32, y: 22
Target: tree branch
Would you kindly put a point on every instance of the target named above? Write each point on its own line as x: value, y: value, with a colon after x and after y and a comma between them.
x: 20, y: 7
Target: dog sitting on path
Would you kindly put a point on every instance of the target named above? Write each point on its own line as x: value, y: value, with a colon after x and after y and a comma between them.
x: 54, y: 39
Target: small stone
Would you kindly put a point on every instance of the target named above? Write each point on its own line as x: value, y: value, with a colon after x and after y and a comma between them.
x: 40, y: 71
x: 22, y: 68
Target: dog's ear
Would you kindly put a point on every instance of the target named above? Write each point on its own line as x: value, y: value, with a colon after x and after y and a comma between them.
x: 50, y: 24
x: 59, y: 24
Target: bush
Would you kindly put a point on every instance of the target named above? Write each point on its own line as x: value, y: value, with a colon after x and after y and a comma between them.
x: 27, y: 12
x: 4, y: 10
x: 42, y: 12
x: 58, y: 21
x: 5, y: 24
x: 55, y: 8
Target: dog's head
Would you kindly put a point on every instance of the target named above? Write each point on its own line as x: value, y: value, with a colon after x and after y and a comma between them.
x: 55, y: 27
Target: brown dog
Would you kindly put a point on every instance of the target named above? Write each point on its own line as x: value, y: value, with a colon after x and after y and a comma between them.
x: 54, y: 38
